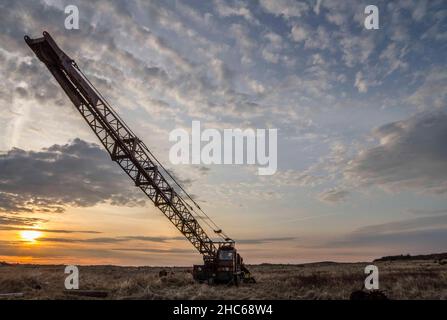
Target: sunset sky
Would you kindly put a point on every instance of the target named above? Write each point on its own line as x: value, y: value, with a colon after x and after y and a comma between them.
x: 361, y: 118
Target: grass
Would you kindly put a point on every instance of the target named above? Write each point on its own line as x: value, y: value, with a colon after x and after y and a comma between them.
x: 398, y: 279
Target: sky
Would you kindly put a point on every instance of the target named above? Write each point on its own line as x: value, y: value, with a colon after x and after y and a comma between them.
x: 361, y: 118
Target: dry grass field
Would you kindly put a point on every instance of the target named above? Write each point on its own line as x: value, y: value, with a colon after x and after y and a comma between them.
x: 398, y: 279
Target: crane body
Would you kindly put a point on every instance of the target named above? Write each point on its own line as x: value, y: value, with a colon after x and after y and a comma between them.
x: 222, y: 263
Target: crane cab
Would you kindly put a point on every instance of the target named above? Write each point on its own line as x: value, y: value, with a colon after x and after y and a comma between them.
x: 226, y: 267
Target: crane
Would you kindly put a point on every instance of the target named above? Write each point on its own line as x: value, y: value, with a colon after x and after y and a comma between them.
x: 222, y: 263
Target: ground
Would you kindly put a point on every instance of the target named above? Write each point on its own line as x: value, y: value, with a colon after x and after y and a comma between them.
x: 397, y: 279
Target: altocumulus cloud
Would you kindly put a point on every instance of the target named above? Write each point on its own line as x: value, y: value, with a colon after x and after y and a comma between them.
x: 411, y: 155
x: 75, y: 174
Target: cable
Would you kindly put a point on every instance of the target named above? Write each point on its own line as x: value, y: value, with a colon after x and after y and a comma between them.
x: 216, y: 228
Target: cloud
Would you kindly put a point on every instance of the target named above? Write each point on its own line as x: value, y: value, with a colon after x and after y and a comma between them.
x: 427, y: 211
x: 420, y: 10
x: 356, y: 50
x: 336, y: 18
x: 299, y: 33
x: 285, y: 8
x: 319, y: 39
x: 11, y: 220
x: 265, y: 240
x: 137, y: 238
x: 107, y: 240
x: 10, y: 228
x: 411, y: 241
x: 411, y: 155
x: 317, y: 7
x: 75, y: 174
x: 394, y: 227
x: 292, y: 178
x: 333, y: 195
x: 360, y: 83
x: 149, y: 250
x: 431, y: 94
x: 270, y: 56
x: 152, y: 239
x: 411, y: 235
x: 288, y: 64
x: 99, y: 240
x: 238, y: 10
x: 394, y: 58
x: 88, y: 255
x: 159, y: 44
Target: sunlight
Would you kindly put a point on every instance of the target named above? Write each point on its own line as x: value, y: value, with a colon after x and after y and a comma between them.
x: 30, y: 235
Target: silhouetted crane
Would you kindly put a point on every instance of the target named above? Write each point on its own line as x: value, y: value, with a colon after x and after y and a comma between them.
x: 222, y: 263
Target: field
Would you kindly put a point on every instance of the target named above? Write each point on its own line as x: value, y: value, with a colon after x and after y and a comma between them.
x: 426, y: 279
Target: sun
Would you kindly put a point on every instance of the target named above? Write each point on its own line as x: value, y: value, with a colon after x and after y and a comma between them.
x: 30, y: 235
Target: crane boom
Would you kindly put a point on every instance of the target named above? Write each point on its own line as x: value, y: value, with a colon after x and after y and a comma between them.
x: 122, y: 144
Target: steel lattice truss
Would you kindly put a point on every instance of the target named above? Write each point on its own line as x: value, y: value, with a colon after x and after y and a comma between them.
x: 123, y: 146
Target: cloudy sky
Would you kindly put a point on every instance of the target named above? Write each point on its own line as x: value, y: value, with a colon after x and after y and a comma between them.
x: 361, y: 118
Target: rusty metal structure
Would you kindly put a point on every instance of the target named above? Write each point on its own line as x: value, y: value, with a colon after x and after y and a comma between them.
x: 133, y: 156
